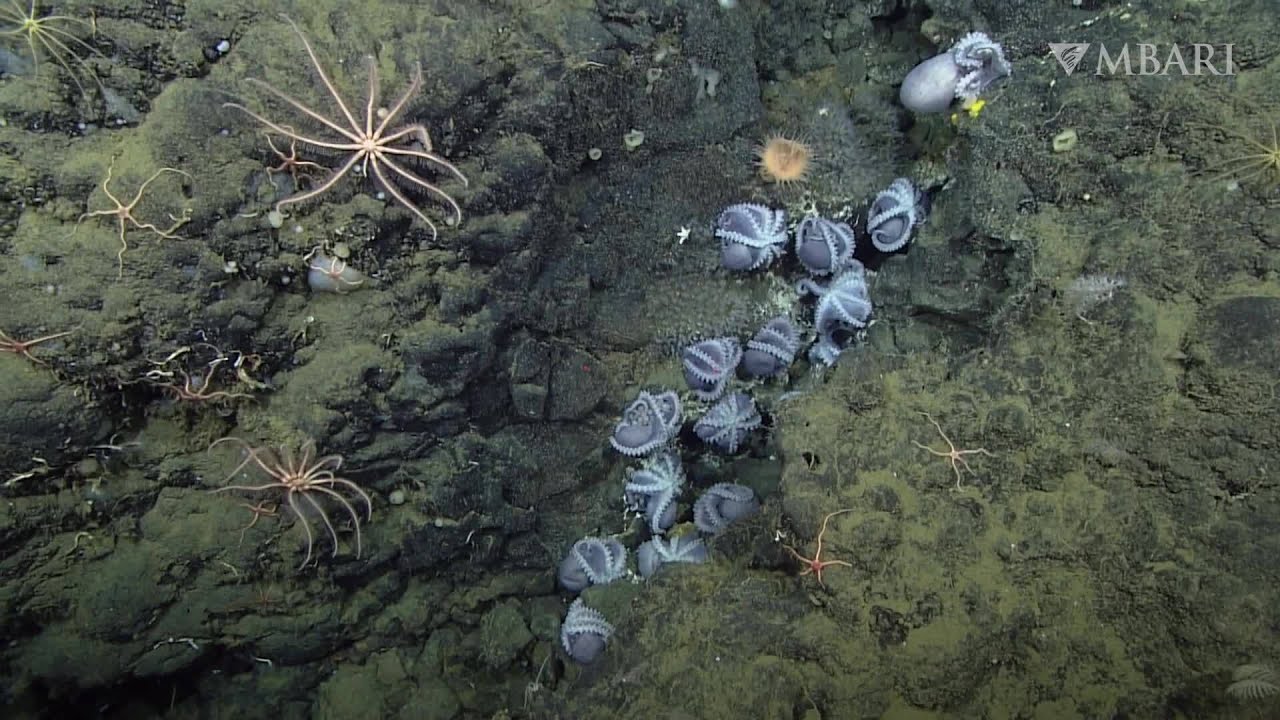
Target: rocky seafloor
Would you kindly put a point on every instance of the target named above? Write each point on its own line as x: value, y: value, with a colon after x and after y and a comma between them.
x: 1114, y: 556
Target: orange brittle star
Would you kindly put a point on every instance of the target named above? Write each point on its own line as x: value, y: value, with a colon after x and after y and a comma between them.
x: 263, y: 508
x: 292, y: 164
x: 955, y: 456
x: 816, y: 565
x: 194, y: 389
x: 336, y: 271
x: 23, y: 347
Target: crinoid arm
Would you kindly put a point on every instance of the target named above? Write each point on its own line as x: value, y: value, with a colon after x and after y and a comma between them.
x: 372, y: 146
x: 275, y: 464
x: 395, y: 192
x: 324, y: 77
x: 322, y: 188
x: 304, y: 477
x: 250, y: 456
x: 324, y: 517
x: 306, y: 528
x: 415, y: 84
x: 287, y: 131
x: 50, y: 35
x: 359, y: 491
x: 326, y: 487
x: 418, y: 132
x: 1257, y: 159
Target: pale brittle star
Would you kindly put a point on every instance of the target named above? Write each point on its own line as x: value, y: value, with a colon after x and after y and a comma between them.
x: 955, y: 456
x: 124, y: 212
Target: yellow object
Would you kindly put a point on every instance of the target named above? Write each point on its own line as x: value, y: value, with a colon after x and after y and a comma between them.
x: 1065, y: 141
x: 972, y: 107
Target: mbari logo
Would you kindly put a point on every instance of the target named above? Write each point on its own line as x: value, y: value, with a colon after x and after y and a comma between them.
x: 1149, y: 59
x: 1069, y: 54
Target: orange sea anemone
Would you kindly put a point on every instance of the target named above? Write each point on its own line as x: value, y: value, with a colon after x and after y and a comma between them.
x: 783, y: 160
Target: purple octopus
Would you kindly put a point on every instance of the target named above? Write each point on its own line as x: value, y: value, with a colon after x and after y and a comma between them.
x: 823, y: 246
x: 751, y: 236
x: 727, y: 423
x: 772, y: 349
x: 844, y: 307
x: 709, y: 364
x: 647, y: 424
x: 964, y: 71
x: 592, y: 561
x: 722, y: 504
x: 893, y: 214
x: 584, y: 633
x: 653, y: 489
x: 656, y: 552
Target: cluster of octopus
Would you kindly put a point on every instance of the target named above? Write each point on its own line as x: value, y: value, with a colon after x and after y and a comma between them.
x: 752, y: 237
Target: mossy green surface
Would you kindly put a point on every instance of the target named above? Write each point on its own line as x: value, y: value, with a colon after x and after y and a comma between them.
x: 1111, y: 553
